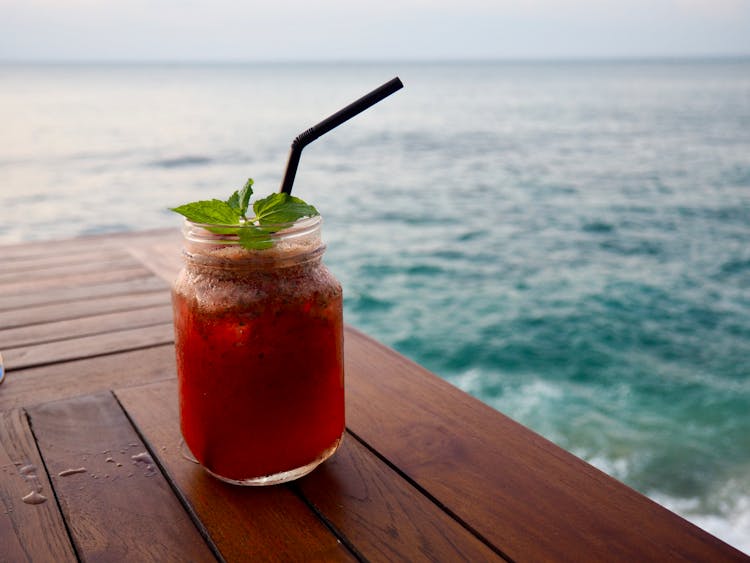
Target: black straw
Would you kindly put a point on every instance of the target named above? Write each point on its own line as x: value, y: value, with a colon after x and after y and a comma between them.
x: 304, y: 139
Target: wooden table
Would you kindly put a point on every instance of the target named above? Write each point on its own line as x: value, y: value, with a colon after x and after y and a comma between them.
x: 426, y: 472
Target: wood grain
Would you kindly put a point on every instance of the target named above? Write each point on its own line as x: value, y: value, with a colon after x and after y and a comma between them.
x: 120, y: 508
x: 56, y: 381
x: 383, y: 515
x: 245, y: 523
x: 102, y: 243
x: 84, y: 326
x: 83, y: 308
x: 164, y: 259
x: 87, y: 346
x: 70, y: 280
x: 29, y: 532
x: 519, y: 491
x: 77, y: 292
x: 33, y: 250
x: 35, y: 264
x: 55, y: 271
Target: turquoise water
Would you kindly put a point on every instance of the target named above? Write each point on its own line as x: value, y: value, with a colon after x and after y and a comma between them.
x: 569, y: 242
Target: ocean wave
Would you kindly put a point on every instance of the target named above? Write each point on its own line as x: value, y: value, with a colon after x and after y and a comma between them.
x: 724, y: 512
x: 598, y: 227
x: 631, y: 247
x: 727, y: 213
x: 367, y: 303
x: 181, y: 161
x: 732, y: 525
x: 562, y: 412
x: 735, y: 266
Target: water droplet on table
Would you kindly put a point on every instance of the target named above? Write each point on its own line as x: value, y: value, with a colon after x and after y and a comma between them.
x: 142, y: 457
x: 145, y: 459
x: 66, y: 472
x: 34, y: 497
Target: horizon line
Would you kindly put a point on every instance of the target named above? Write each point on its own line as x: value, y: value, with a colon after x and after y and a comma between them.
x: 385, y: 60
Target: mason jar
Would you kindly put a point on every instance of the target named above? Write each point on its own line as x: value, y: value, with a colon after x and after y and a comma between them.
x: 259, y: 344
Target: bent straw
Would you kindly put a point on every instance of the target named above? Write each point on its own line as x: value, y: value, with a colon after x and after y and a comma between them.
x: 304, y: 139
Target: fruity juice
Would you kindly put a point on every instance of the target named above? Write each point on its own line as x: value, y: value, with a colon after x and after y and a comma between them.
x: 259, y: 342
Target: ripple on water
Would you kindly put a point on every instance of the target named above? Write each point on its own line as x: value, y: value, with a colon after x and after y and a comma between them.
x: 181, y: 161
x: 598, y: 227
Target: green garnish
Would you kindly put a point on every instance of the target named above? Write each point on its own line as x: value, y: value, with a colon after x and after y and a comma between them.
x: 230, y: 216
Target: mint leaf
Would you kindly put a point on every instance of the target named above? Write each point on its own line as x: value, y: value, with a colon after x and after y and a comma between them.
x: 281, y: 208
x: 245, y: 193
x: 240, y: 200
x: 212, y: 211
x: 255, y: 238
x: 234, y: 202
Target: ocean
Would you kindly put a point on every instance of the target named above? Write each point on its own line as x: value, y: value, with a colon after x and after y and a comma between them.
x: 567, y: 241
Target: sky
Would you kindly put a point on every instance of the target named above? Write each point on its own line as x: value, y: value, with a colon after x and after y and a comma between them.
x: 292, y: 30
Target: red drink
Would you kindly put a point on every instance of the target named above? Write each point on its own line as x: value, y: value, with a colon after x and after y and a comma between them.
x: 259, y: 341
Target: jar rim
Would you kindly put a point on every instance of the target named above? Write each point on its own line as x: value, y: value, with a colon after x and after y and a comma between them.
x: 217, y: 233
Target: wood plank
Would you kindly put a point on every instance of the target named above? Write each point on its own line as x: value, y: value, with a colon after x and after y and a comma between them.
x: 42, y: 384
x: 516, y: 489
x: 28, y: 532
x: 34, y: 264
x: 86, y: 346
x: 86, y: 326
x: 102, y: 264
x: 31, y: 250
x: 100, y: 242
x: 384, y: 516
x: 245, y: 523
x: 157, y: 251
x: 78, y: 292
x: 70, y: 280
x: 120, y: 508
x: 84, y: 308
x: 162, y: 258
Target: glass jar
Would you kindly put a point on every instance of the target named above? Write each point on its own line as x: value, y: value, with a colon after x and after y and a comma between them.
x: 259, y: 343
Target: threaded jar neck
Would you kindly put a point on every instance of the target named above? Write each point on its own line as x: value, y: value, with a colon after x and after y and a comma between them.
x: 240, y: 247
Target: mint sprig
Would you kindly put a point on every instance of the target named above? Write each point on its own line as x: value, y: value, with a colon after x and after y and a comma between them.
x: 230, y: 216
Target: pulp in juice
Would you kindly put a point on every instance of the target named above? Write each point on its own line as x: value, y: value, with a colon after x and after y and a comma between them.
x: 260, y: 369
